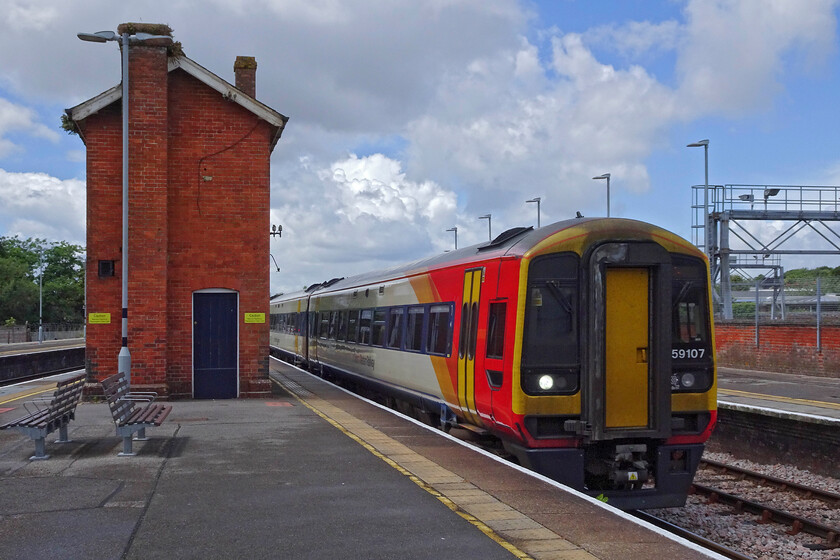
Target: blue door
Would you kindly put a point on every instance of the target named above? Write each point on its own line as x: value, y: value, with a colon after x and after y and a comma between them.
x: 214, y: 345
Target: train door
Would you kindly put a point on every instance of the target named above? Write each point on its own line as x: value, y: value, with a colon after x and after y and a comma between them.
x: 467, y: 342
x: 627, y: 387
x: 215, y: 345
x: 627, y: 348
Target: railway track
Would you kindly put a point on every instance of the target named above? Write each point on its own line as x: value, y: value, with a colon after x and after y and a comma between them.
x: 775, y: 500
x: 764, y: 514
x: 691, y: 536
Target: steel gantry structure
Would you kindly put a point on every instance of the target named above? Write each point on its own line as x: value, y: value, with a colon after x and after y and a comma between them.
x: 720, y: 212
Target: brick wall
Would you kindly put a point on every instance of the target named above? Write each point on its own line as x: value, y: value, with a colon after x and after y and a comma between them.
x: 199, y: 219
x: 103, y: 139
x: 781, y: 347
x: 218, y: 220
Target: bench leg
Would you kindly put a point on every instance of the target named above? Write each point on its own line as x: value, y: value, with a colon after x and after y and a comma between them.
x: 141, y: 435
x: 127, y: 450
x: 62, y: 435
x: 40, y: 450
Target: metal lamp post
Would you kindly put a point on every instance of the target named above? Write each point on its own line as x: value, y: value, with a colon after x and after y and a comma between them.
x: 489, y: 218
x: 41, y: 302
x: 537, y: 200
x: 124, y: 359
x: 455, y: 229
x: 607, y: 177
x: 705, y: 145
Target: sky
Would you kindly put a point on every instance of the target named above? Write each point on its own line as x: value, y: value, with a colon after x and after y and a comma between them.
x: 411, y: 117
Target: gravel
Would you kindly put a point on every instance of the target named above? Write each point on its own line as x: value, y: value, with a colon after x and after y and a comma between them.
x: 741, y: 531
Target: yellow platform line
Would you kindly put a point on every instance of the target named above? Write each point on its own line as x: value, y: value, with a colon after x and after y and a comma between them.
x: 462, y: 495
x: 789, y: 400
x: 27, y: 394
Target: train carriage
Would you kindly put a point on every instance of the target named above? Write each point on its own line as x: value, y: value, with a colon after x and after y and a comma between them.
x: 585, y: 346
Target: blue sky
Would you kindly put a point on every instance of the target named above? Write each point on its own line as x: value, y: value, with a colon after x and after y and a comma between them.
x: 409, y: 118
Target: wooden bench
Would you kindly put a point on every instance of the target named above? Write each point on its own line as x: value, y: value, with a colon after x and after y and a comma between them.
x: 129, y: 417
x: 46, y: 415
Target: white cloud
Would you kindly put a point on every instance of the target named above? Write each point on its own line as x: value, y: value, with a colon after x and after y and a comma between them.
x: 637, y: 38
x: 38, y: 205
x: 16, y: 118
x: 736, y: 51
x: 354, y: 215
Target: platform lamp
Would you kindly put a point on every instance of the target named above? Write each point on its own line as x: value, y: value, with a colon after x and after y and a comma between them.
x: 537, y: 200
x: 455, y: 229
x: 276, y: 230
x: 275, y: 262
x: 124, y: 40
x: 489, y: 218
x: 607, y: 177
x: 705, y: 145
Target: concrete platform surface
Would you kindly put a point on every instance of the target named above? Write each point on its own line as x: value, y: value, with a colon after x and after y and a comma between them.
x: 314, y: 474
x: 796, y: 395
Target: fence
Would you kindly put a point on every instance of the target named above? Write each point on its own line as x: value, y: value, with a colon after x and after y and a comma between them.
x: 791, y: 326
x: 809, y: 301
x: 29, y: 333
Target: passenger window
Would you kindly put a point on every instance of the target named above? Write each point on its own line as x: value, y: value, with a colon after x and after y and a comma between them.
x: 352, y: 326
x: 439, y: 339
x: 414, y: 329
x: 364, y: 326
x: 325, y: 324
x: 342, y: 326
x: 333, y: 324
x: 496, y: 330
x: 395, y: 327
x: 379, y: 327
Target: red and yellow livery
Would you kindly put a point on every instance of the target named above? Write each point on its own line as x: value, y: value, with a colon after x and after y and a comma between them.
x: 585, y: 346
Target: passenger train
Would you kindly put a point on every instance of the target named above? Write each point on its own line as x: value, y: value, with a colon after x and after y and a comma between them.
x: 586, y: 347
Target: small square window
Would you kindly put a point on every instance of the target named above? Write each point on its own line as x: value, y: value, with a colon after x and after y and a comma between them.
x: 106, y: 269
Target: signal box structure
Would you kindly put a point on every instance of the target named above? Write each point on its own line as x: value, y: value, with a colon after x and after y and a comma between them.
x: 198, y: 287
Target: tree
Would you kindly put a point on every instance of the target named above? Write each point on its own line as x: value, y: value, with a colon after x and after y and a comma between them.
x: 22, y: 261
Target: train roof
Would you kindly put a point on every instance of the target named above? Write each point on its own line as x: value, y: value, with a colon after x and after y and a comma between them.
x: 512, y: 242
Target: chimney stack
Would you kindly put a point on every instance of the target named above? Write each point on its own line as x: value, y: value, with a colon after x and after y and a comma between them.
x: 245, y: 70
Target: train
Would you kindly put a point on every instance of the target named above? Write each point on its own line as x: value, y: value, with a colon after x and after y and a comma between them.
x: 584, y: 347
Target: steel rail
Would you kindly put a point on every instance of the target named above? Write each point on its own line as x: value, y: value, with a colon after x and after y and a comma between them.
x: 768, y: 514
x: 831, y: 498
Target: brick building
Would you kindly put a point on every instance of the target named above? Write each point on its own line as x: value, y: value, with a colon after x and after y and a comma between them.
x: 198, y: 280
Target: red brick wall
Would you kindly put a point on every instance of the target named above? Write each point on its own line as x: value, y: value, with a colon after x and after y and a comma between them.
x: 199, y: 219
x: 781, y: 347
x: 219, y: 221
x: 103, y: 137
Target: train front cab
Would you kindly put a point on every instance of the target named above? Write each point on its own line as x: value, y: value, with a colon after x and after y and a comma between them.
x: 617, y: 372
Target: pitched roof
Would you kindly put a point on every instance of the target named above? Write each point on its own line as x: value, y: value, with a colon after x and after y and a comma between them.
x: 228, y: 91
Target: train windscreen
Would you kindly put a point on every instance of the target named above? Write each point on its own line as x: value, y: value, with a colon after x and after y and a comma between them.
x: 550, y: 350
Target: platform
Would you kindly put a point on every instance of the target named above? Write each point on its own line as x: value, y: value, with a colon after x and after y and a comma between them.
x: 806, y: 398
x: 314, y: 474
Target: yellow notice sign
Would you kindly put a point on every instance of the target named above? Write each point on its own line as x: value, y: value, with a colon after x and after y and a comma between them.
x: 255, y: 317
x: 99, y: 319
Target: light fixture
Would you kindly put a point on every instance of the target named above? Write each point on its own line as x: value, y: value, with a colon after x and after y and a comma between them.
x: 537, y: 200
x: 607, y: 177
x: 489, y: 218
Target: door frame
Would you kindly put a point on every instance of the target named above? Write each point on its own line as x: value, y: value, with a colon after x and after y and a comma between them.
x: 657, y: 260
x: 192, y: 333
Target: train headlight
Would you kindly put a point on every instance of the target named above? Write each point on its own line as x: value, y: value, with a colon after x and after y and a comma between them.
x: 688, y: 380
x: 546, y: 382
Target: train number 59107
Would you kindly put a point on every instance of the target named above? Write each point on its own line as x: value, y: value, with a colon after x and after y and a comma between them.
x: 687, y: 353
